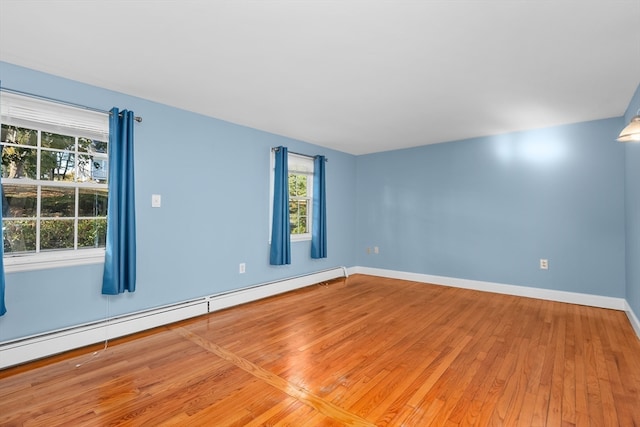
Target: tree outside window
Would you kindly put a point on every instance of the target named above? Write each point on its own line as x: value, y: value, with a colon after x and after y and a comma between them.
x: 54, y: 190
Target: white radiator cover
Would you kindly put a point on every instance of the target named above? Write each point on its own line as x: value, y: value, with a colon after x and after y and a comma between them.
x: 39, y: 346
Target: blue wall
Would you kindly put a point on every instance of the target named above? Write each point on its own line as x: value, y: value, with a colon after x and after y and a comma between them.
x: 484, y: 209
x: 214, y: 180
x: 489, y: 208
x: 632, y: 193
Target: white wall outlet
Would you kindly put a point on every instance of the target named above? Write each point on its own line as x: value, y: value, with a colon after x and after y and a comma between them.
x: 242, y: 268
x: 156, y: 200
x: 376, y: 250
x: 544, y: 264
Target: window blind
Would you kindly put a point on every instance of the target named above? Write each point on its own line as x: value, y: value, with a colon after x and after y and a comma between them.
x: 25, y: 111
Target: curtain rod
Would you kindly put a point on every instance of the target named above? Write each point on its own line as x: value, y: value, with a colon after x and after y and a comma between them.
x: 59, y: 101
x: 299, y: 154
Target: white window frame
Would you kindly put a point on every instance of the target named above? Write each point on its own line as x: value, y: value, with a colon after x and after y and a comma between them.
x: 299, y: 164
x: 48, y: 116
x: 303, y: 165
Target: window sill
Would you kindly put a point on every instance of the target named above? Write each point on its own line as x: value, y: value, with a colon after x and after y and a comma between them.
x: 300, y: 237
x: 47, y: 260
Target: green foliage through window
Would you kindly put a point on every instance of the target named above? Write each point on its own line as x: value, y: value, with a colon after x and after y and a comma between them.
x: 54, y: 191
x: 298, y: 203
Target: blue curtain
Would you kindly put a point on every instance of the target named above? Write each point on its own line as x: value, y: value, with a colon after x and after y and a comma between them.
x: 3, y: 307
x: 319, y: 220
x: 120, y: 258
x: 280, y: 227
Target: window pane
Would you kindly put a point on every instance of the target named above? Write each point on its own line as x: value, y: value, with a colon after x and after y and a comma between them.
x: 17, y: 135
x: 302, y: 216
x: 92, y: 146
x: 92, y: 233
x: 60, y: 142
x: 19, y: 201
x: 302, y: 208
x: 293, y: 217
x: 92, y: 202
x: 19, y: 236
x: 297, y: 185
x: 298, y: 216
x: 293, y: 185
x: 92, y: 169
x: 58, y: 202
x: 57, y: 165
x: 18, y: 162
x: 56, y: 234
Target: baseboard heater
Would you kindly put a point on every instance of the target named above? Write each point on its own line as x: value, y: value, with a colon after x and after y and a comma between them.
x: 38, y: 346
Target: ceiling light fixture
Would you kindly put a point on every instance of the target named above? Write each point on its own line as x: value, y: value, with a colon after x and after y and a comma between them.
x: 631, y: 133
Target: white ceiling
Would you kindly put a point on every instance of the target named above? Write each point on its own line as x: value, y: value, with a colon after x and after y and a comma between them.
x: 358, y: 76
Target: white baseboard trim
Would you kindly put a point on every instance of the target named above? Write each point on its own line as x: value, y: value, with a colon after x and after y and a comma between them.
x: 39, y: 346
x: 524, y: 291
x: 633, y: 319
x: 500, y: 288
x: 242, y: 296
x: 36, y: 347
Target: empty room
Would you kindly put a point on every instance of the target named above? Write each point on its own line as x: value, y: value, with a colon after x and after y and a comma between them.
x: 320, y: 213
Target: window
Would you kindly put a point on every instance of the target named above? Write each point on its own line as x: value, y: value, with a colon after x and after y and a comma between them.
x: 54, y: 178
x: 300, y: 196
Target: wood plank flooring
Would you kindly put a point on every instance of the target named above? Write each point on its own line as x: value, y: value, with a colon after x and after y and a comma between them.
x: 365, y: 351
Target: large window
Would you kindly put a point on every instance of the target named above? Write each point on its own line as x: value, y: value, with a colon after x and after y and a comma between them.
x: 54, y: 176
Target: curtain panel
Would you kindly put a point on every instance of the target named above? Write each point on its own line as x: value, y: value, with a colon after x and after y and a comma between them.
x: 280, y: 251
x: 319, y: 219
x: 120, y: 255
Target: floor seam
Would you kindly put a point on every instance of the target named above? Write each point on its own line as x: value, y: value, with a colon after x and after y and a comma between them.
x: 299, y: 393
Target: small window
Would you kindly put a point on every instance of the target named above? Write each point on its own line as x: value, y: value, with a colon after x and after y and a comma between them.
x: 54, y: 176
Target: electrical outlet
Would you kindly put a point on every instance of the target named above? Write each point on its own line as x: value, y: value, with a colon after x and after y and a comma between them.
x: 156, y: 200
x: 368, y: 251
x: 544, y: 264
x: 376, y: 250
x: 242, y: 268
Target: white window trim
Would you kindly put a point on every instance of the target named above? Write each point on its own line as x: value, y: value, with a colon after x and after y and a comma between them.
x: 300, y: 237
x: 305, y: 161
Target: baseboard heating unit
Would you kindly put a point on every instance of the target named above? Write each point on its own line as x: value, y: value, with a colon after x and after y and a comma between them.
x: 38, y: 346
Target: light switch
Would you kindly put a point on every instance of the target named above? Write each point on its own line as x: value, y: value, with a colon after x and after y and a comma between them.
x: 156, y: 200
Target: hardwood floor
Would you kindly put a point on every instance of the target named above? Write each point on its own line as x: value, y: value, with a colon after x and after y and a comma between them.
x: 363, y: 351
